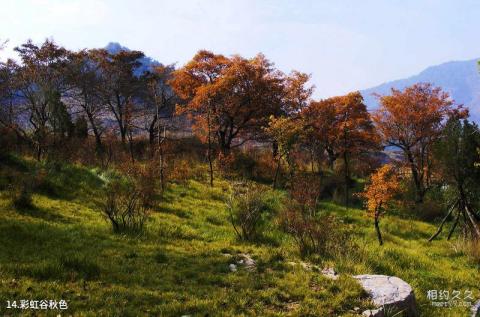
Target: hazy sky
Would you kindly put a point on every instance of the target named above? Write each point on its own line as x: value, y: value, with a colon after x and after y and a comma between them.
x: 345, y: 44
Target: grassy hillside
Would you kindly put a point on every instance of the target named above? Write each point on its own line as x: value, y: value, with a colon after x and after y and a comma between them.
x: 63, y: 248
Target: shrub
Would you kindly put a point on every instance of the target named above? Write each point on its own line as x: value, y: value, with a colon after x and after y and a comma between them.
x: 248, y: 209
x: 322, y: 235
x: 182, y: 169
x: 22, y: 197
x: 125, y: 207
x: 305, y: 190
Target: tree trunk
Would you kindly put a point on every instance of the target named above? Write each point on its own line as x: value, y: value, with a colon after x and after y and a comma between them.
x: 347, y: 178
x: 277, y: 169
x: 209, y: 151
x: 419, y: 188
x: 96, y: 133
x: 151, y: 130
x: 377, y: 229
x: 440, y: 228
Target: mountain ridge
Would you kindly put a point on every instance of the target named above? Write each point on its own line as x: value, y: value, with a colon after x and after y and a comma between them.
x: 461, y: 79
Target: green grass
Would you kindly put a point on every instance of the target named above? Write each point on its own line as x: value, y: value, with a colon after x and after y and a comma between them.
x: 63, y: 248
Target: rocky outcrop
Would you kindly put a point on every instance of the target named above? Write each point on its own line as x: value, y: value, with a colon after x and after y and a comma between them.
x: 388, y: 293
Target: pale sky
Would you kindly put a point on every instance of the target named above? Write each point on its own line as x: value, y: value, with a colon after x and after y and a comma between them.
x: 345, y: 44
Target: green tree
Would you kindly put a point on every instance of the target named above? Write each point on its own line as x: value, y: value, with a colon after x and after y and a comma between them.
x: 456, y: 153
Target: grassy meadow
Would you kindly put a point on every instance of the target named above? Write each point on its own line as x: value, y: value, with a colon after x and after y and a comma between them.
x: 63, y: 248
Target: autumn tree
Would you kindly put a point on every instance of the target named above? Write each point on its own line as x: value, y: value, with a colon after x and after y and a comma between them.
x: 357, y: 136
x: 344, y: 129
x: 159, y: 102
x: 119, y: 86
x: 8, y: 111
x: 412, y: 121
x: 85, y: 78
x: 320, y: 123
x: 230, y: 99
x: 379, y: 194
x: 285, y: 132
x: 192, y: 83
x: 159, y: 99
x: 39, y: 85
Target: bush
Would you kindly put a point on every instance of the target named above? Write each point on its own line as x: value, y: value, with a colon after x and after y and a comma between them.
x: 125, y: 206
x: 248, y: 207
x: 322, y: 235
x: 22, y: 197
x: 305, y: 190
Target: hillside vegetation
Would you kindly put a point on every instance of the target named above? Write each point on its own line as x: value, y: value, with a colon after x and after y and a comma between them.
x: 63, y: 248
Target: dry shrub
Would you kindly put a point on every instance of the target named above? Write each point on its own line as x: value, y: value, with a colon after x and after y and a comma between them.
x: 183, y: 169
x: 129, y: 197
x: 320, y: 235
x: 305, y: 191
x: 145, y: 179
x: 226, y: 162
x: 314, y: 234
x: 125, y: 207
x: 248, y: 207
x: 265, y: 165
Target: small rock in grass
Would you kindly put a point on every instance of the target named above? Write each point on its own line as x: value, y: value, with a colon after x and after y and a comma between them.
x: 246, y: 261
x: 373, y: 313
x: 232, y: 267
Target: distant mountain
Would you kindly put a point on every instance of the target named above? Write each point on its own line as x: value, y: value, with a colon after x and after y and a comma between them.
x: 461, y: 79
x: 148, y: 63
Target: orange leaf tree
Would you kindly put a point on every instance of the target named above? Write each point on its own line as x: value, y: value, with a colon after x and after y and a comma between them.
x: 412, y: 121
x: 379, y: 193
x: 344, y: 129
x: 232, y: 98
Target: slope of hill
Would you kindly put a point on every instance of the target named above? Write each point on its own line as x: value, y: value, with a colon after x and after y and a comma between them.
x: 461, y: 79
x: 62, y: 248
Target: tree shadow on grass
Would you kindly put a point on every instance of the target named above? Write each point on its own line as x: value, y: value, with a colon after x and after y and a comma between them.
x: 46, y: 251
x: 42, y: 213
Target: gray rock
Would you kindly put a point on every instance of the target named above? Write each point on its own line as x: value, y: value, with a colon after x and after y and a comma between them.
x: 389, y: 293
x: 374, y: 313
x: 232, y: 267
x: 246, y: 261
x: 476, y: 309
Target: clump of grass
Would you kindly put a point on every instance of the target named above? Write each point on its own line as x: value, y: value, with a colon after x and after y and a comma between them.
x: 468, y: 247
